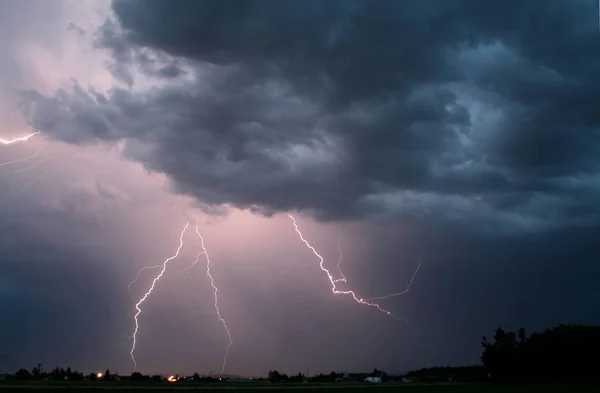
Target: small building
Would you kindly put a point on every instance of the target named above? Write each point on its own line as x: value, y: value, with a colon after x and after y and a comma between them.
x: 373, y: 379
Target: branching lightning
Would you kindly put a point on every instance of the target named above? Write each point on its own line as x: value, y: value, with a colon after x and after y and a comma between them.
x: 216, y: 294
x: 16, y: 140
x: 341, y: 257
x: 23, y: 159
x: 412, y: 279
x: 31, y: 183
x: 33, y: 164
x: 193, y: 264
x: 333, y: 281
x: 143, y: 299
x: 30, y: 167
x: 140, y: 274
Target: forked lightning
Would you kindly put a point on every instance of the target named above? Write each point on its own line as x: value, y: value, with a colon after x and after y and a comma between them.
x: 143, y: 299
x: 212, y: 283
x: 216, y: 293
x: 333, y: 281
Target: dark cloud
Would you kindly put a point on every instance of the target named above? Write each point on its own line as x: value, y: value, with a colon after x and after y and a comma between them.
x: 453, y: 109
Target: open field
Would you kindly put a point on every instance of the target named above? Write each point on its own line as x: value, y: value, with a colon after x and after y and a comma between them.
x: 312, y: 388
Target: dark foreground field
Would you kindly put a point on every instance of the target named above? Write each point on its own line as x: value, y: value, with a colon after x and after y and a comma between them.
x: 259, y: 388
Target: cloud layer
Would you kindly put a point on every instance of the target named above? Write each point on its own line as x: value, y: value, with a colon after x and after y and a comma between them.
x: 353, y: 108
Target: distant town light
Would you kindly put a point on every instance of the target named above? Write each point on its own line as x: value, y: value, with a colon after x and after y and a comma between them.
x: 172, y: 379
x: 99, y: 375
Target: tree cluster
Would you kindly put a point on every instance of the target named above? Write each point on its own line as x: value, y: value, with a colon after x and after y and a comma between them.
x: 565, y: 353
x: 38, y: 373
x: 276, y: 376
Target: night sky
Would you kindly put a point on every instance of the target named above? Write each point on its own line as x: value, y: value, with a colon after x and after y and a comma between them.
x: 462, y: 135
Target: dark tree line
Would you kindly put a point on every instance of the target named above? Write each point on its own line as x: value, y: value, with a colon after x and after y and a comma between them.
x: 565, y: 353
x: 38, y: 373
x: 276, y: 376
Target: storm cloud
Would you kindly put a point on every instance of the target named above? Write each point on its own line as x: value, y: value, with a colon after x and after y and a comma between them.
x: 460, y: 110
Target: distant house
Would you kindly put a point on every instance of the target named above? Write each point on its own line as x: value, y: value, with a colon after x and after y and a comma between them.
x: 373, y: 379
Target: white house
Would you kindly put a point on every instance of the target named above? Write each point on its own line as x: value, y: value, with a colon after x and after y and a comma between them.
x: 373, y: 379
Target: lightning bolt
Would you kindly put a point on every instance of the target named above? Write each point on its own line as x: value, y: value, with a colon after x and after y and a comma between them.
x: 412, y: 279
x: 143, y: 299
x: 20, y: 139
x: 216, y: 293
x: 333, y: 282
x: 30, y: 184
x: 33, y: 164
x: 192, y: 264
x: 341, y: 257
x: 24, y: 159
x: 140, y: 274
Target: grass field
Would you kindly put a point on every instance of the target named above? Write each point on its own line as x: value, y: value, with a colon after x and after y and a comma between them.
x: 312, y: 388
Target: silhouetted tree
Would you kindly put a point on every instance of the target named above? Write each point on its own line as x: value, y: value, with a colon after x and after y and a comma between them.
x: 563, y: 353
x: 157, y: 378
x: 136, y: 376
x: 276, y: 376
x: 22, y: 374
x: 36, y: 372
x: 378, y: 373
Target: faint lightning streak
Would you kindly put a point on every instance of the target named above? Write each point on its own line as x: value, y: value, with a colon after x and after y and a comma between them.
x: 143, y: 299
x: 15, y: 140
x: 332, y: 281
x: 140, y: 274
x: 32, y: 182
x: 24, y: 159
x: 341, y: 257
x: 212, y: 283
x: 193, y: 263
x: 412, y: 279
x: 33, y: 164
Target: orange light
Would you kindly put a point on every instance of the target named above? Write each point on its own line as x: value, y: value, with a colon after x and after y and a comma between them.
x: 99, y: 375
x: 172, y: 379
